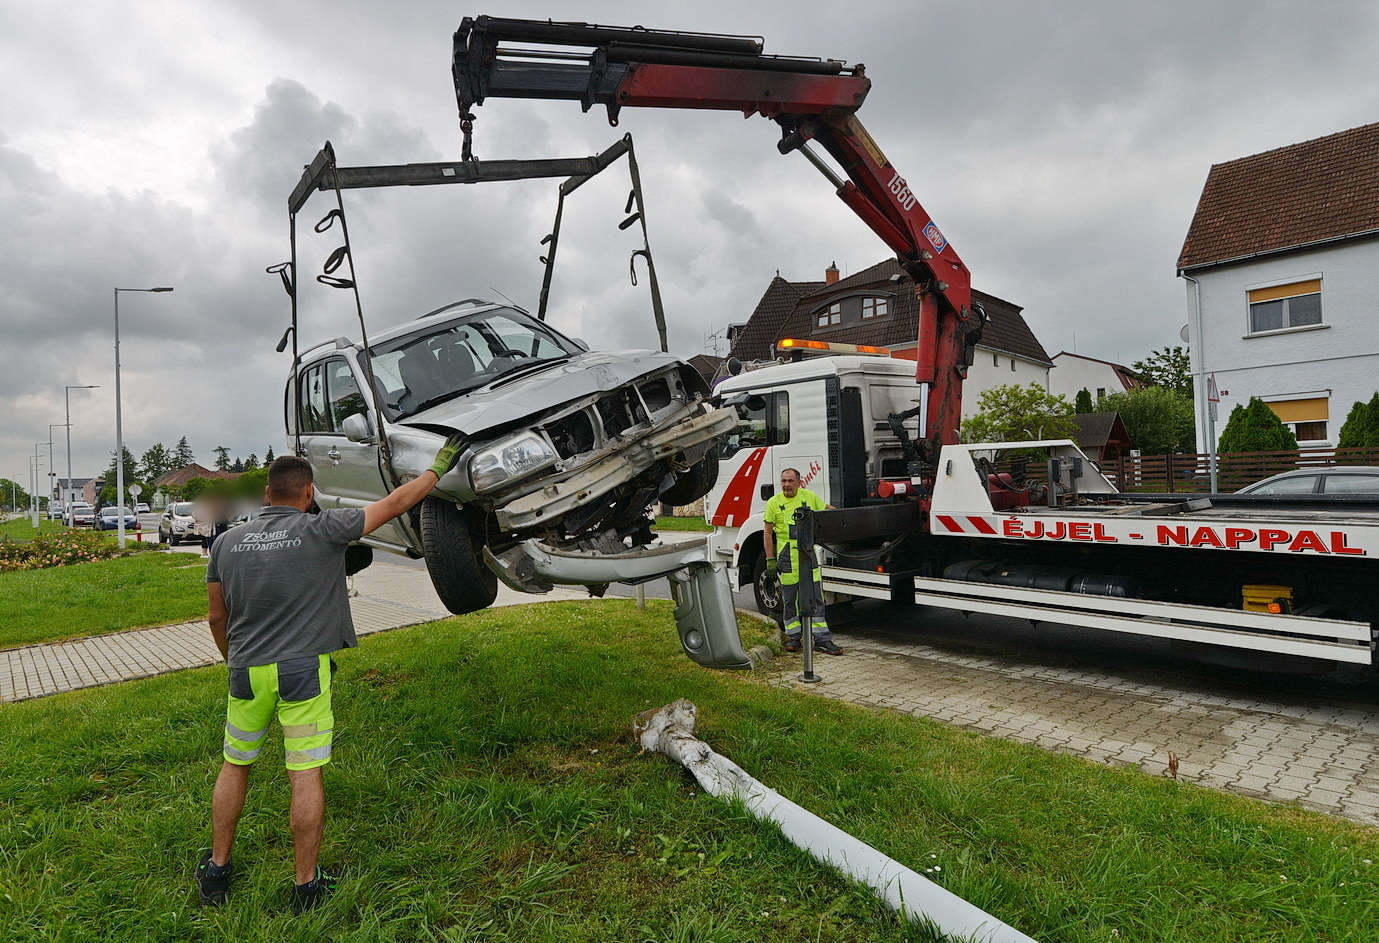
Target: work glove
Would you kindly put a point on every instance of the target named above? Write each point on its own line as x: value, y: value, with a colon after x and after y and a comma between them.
x: 445, y: 458
x: 771, y: 567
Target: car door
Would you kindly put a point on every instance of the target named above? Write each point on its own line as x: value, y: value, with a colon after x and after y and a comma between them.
x: 347, y: 473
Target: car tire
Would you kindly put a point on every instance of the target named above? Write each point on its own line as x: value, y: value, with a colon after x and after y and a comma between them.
x: 693, y: 484
x: 462, y: 581
x: 765, y: 589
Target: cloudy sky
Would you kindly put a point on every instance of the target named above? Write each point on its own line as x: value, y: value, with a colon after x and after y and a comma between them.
x: 1061, y: 146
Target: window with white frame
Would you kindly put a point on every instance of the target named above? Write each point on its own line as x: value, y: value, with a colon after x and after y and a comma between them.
x: 1281, y: 307
x: 832, y: 315
x: 875, y: 307
x: 1306, y: 417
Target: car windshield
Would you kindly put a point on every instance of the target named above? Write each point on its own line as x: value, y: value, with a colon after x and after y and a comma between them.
x: 183, y: 509
x: 447, y: 360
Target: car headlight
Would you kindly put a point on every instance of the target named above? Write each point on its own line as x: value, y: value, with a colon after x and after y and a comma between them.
x: 510, y: 458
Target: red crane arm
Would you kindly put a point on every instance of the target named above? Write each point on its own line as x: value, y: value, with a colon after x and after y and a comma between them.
x: 810, y: 99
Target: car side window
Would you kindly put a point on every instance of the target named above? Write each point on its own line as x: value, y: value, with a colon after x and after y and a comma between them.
x: 1351, y: 484
x: 1302, y: 484
x: 346, y: 398
x: 313, y: 414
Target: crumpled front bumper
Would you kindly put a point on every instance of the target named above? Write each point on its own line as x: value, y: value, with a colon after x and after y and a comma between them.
x: 704, y: 614
x: 680, y: 433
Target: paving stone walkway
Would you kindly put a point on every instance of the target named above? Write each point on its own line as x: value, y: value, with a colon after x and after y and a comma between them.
x: 1321, y: 756
x: 388, y: 597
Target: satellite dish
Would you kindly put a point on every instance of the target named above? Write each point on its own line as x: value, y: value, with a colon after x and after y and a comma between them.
x: 1183, y: 334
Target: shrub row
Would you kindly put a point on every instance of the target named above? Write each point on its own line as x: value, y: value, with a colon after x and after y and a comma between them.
x: 60, y: 549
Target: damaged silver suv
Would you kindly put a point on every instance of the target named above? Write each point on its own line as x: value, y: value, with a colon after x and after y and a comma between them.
x: 562, y: 443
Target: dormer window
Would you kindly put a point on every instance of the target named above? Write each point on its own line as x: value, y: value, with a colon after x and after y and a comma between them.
x: 875, y: 307
x: 832, y: 315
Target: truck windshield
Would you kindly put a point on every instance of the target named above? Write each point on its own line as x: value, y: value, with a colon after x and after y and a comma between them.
x: 453, y: 358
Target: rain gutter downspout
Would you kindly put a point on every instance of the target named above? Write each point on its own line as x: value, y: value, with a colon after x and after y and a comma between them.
x: 1204, y: 417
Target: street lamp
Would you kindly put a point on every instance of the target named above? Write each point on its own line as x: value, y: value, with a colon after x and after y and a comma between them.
x: 119, y: 431
x: 52, y: 472
x: 67, y: 395
x: 33, y: 495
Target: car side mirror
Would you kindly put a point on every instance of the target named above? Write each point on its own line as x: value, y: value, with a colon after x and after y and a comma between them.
x: 357, y: 428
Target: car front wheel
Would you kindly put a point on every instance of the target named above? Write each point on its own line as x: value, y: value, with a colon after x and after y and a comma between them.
x: 452, y: 553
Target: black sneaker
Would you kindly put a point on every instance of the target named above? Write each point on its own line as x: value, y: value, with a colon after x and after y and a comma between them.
x: 212, y: 881
x: 828, y: 648
x: 313, y: 893
x: 792, y: 643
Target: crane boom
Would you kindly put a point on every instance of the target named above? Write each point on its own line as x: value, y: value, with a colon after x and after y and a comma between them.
x: 810, y: 99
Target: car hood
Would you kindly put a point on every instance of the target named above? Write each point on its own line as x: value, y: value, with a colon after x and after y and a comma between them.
x: 526, y: 397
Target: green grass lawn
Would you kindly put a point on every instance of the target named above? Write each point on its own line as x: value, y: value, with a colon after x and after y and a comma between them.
x: 682, y: 523
x: 23, y: 528
x: 102, y: 596
x: 486, y: 788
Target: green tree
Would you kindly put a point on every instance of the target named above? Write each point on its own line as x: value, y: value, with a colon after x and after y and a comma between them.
x: 182, y: 455
x: 155, y: 462
x: 222, y: 458
x: 1159, y: 420
x: 12, y: 494
x: 1169, y: 368
x: 268, y: 457
x: 1254, y: 427
x: 1083, y: 402
x: 1361, y: 427
x: 237, y: 466
x: 106, y: 495
x: 1016, y: 413
x: 251, y: 462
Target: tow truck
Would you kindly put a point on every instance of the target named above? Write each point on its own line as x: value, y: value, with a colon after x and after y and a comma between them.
x: 922, y: 517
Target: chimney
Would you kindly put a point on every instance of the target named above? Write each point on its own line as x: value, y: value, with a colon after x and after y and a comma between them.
x: 831, y: 274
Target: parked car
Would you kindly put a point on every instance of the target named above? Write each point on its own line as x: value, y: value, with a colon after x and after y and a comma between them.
x: 54, y: 512
x: 79, y: 515
x: 177, y: 523
x: 1328, y: 479
x: 141, y: 508
x: 560, y: 442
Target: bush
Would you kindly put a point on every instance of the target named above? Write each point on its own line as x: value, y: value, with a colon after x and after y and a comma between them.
x: 1361, y: 428
x: 1254, y: 427
x: 60, y: 549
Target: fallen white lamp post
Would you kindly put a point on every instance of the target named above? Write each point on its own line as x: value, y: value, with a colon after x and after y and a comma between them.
x: 670, y: 730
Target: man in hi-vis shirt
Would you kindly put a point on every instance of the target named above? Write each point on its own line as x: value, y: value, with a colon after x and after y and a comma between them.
x: 279, y: 606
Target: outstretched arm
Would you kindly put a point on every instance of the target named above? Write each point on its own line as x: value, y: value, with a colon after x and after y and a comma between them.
x: 408, y: 495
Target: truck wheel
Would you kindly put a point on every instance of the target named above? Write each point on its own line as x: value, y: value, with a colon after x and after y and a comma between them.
x: 766, y: 589
x: 462, y: 581
x: 693, y: 484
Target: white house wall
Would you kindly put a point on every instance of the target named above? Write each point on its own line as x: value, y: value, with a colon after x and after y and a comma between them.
x: 1072, y: 373
x: 1339, y: 358
x: 982, y: 375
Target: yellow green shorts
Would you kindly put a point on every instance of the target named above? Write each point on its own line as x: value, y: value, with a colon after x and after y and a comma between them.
x: 298, y: 690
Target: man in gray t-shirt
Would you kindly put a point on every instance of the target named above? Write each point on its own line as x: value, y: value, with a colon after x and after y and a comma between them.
x: 275, y: 588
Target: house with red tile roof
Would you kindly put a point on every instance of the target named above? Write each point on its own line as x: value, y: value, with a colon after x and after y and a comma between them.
x: 877, y: 307
x: 1074, y: 372
x: 1282, y: 269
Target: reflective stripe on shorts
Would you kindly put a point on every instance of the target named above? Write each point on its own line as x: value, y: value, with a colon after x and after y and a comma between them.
x: 296, y: 690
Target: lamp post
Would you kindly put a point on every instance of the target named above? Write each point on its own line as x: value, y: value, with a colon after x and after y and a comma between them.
x: 33, y: 495
x: 52, y: 472
x: 67, y: 395
x: 119, y: 431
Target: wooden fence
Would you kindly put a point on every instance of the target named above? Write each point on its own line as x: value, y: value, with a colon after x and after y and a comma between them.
x: 1234, y: 470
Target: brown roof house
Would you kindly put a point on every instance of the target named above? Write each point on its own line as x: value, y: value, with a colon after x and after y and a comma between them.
x: 877, y: 307
x: 162, y: 487
x: 1281, y: 261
